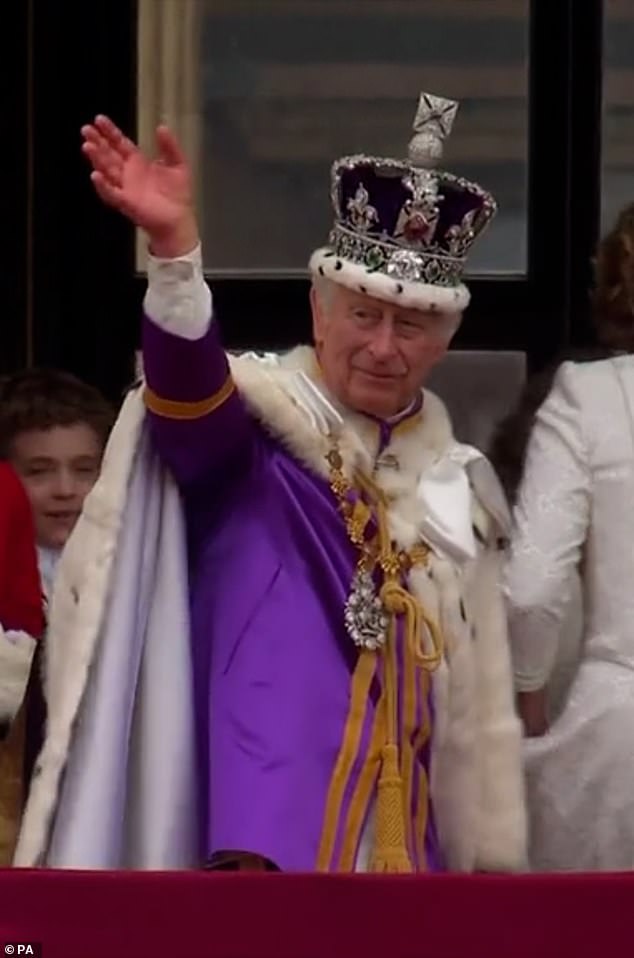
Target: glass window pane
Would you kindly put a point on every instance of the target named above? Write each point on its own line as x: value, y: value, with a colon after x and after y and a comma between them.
x: 618, y: 110
x: 286, y: 86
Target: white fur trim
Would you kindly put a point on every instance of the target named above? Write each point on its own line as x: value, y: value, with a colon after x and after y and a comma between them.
x: 501, y: 825
x: 476, y: 771
x: 411, y: 295
x: 16, y: 655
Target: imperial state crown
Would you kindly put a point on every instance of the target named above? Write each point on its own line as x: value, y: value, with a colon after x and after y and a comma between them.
x: 403, y: 228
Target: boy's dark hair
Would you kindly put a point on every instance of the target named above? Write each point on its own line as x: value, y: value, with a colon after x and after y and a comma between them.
x: 45, y: 398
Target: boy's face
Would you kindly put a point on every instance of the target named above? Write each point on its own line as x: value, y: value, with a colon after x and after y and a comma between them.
x: 58, y: 467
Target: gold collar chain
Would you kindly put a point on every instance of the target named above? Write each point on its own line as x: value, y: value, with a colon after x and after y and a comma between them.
x: 367, y: 612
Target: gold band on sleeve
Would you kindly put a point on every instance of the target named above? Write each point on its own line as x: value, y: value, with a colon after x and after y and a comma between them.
x: 172, y: 409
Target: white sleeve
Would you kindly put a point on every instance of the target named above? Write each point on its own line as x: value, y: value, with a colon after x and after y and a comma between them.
x: 550, y: 523
x: 178, y: 299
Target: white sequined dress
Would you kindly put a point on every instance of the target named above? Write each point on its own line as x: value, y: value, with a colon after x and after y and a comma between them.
x: 575, y: 514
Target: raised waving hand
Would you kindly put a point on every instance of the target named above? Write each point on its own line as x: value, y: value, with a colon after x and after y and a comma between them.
x: 154, y: 193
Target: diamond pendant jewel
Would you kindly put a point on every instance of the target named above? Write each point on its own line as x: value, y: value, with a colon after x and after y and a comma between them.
x: 364, y: 614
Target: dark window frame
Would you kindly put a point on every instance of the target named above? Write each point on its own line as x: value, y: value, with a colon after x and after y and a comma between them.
x: 15, y: 322
x: 85, y: 296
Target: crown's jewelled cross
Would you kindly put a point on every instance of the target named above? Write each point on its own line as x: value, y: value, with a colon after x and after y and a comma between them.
x: 437, y: 112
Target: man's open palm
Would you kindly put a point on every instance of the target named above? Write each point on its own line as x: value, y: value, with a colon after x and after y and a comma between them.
x: 154, y: 194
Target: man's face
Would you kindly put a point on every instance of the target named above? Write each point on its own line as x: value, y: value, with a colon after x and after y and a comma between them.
x: 374, y: 355
x: 58, y: 467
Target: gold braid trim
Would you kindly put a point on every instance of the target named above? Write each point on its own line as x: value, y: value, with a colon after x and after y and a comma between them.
x: 172, y: 409
x: 360, y: 690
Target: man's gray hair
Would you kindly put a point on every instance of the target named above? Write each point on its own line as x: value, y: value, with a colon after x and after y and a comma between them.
x: 325, y: 289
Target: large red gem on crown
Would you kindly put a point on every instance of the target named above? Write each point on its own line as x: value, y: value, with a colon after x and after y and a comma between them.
x: 416, y: 227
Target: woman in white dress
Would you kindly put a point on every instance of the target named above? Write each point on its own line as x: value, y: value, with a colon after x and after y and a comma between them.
x: 507, y: 452
x: 574, y: 523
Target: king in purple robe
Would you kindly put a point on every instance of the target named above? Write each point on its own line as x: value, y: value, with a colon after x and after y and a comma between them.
x: 339, y: 695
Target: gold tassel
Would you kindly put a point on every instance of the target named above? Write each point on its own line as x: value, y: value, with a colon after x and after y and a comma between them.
x: 389, y: 853
x: 390, y: 849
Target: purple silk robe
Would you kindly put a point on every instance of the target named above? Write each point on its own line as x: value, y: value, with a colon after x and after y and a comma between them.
x: 270, y: 571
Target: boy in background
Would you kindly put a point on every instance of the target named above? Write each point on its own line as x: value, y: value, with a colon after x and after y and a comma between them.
x: 53, y: 430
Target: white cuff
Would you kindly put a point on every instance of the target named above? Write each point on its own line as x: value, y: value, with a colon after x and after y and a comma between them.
x: 178, y: 299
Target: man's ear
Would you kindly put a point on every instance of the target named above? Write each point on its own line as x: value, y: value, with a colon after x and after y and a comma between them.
x: 453, y: 325
x: 316, y: 309
x: 442, y: 347
x: 441, y: 350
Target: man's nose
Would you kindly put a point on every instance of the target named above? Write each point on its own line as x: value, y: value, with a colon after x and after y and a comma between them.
x: 383, y: 342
